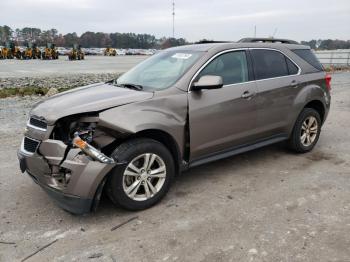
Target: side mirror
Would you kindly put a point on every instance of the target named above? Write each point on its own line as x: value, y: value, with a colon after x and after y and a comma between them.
x: 208, y: 82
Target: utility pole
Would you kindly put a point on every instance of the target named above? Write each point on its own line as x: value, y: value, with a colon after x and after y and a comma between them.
x: 173, y: 19
x: 255, y: 31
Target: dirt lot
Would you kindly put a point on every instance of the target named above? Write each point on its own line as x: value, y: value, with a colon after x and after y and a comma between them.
x: 265, y: 205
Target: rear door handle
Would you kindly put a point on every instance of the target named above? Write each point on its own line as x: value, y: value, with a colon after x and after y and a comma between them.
x: 294, y: 83
x: 247, y: 95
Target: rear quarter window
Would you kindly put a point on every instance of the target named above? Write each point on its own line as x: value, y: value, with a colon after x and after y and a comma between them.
x: 309, y: 57
x: 292, y: 68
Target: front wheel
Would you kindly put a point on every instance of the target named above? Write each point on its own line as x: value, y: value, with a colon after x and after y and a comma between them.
x: 144, y: 178
x: 306, y: 131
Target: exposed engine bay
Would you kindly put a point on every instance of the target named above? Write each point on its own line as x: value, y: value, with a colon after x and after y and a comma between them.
x: 80, y: 141
x: 87, y: 128
x: 65, y: 128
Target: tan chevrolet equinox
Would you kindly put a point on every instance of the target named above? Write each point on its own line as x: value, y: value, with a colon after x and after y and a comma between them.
x: 180, y: 108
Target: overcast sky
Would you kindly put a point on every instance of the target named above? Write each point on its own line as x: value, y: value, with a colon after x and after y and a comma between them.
x: 194, y: 20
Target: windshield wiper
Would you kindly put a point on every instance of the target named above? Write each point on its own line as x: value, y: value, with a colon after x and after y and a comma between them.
x: 131, y: 86
x: 126, y: 85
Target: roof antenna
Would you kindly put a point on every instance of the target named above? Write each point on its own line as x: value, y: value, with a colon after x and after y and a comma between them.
x: 274, y: 33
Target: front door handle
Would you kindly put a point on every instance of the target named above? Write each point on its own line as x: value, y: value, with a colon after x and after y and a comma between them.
x: 247, y: 95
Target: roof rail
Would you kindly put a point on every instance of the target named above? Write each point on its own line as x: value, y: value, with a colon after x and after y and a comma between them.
x: 267, y: 40
x: 211, y: 42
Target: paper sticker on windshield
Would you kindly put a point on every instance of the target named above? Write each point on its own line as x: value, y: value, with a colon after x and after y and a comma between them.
x: 182, y: 56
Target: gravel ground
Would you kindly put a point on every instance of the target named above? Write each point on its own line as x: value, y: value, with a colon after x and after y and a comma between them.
x: 62, y: 72
x: 265, y: 205
x: 67, y: 81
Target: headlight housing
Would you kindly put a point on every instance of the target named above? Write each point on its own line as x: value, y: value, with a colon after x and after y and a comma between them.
x: 90, y: 150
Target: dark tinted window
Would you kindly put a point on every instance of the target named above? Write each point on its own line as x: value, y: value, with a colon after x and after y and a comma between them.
x: 232, y: 67
x: 269, y: 64
x: 292, y: 68
x: 309, y: 57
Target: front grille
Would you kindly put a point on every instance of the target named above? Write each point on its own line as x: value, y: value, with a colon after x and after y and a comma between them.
x: 30, y: 145
x: 37, y: 123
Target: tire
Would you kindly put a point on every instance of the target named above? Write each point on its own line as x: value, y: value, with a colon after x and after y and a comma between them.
x: 134, y: 151
x: 301, y: 144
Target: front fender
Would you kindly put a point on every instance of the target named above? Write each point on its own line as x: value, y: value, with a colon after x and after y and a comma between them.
x: 165, y: 113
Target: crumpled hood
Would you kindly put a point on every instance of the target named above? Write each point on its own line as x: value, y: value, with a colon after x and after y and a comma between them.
x: 91, y: 98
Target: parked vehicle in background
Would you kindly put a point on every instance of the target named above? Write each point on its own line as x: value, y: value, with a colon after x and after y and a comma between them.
x: 97, y: 51
x: 50, y: 52
x: 131, y: 52
x: 31, y: 52
x: 110, y: 52
x: 63, y: 51
x: 121, y: 52
x: 10, y: 51
x: 145, y: 52
x: 76, y: 53
x: 178, y: 109
x: 114, y: 52
x: 86, y: 51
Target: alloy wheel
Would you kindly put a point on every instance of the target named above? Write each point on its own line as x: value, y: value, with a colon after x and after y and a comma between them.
x: 144, y: 177
x: 309, y: 130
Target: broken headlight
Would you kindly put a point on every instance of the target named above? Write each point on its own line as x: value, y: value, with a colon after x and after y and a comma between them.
x: 90, y: 150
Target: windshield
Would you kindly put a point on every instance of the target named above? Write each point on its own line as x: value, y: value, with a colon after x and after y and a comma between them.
x: 161, y: 70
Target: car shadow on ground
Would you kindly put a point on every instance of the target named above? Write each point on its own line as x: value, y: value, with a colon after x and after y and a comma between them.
x: 199, y: 176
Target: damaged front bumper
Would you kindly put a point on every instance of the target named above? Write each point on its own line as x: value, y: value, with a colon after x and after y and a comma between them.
x: 69, y: 176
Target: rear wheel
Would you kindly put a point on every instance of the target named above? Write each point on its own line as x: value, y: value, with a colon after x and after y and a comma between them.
x: 145, y: 177
x: 306, y: 131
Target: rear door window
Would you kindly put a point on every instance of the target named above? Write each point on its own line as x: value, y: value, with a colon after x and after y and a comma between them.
x: 269, y: 64
x: 231, y: 66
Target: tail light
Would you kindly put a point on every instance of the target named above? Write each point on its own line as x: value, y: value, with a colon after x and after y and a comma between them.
x: 328, y: 81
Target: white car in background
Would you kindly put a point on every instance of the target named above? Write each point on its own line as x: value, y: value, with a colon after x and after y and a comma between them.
x: 62, y: 51
x: 145, y: 52
x: 121, y: 51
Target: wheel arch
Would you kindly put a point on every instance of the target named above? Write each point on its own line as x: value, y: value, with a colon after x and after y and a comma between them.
x: 318, y: 106
x: 167, y: 140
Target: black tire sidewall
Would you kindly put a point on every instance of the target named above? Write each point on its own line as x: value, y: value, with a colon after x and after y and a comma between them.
x: 125, y: 154
x: 296, y: 141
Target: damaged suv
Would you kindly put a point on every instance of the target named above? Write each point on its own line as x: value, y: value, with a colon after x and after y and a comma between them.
x: 180, y: 108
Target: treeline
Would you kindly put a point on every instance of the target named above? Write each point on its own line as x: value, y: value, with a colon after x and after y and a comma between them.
x: 120, y: 40
x: 327, y: 44
x: 87, y: 39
